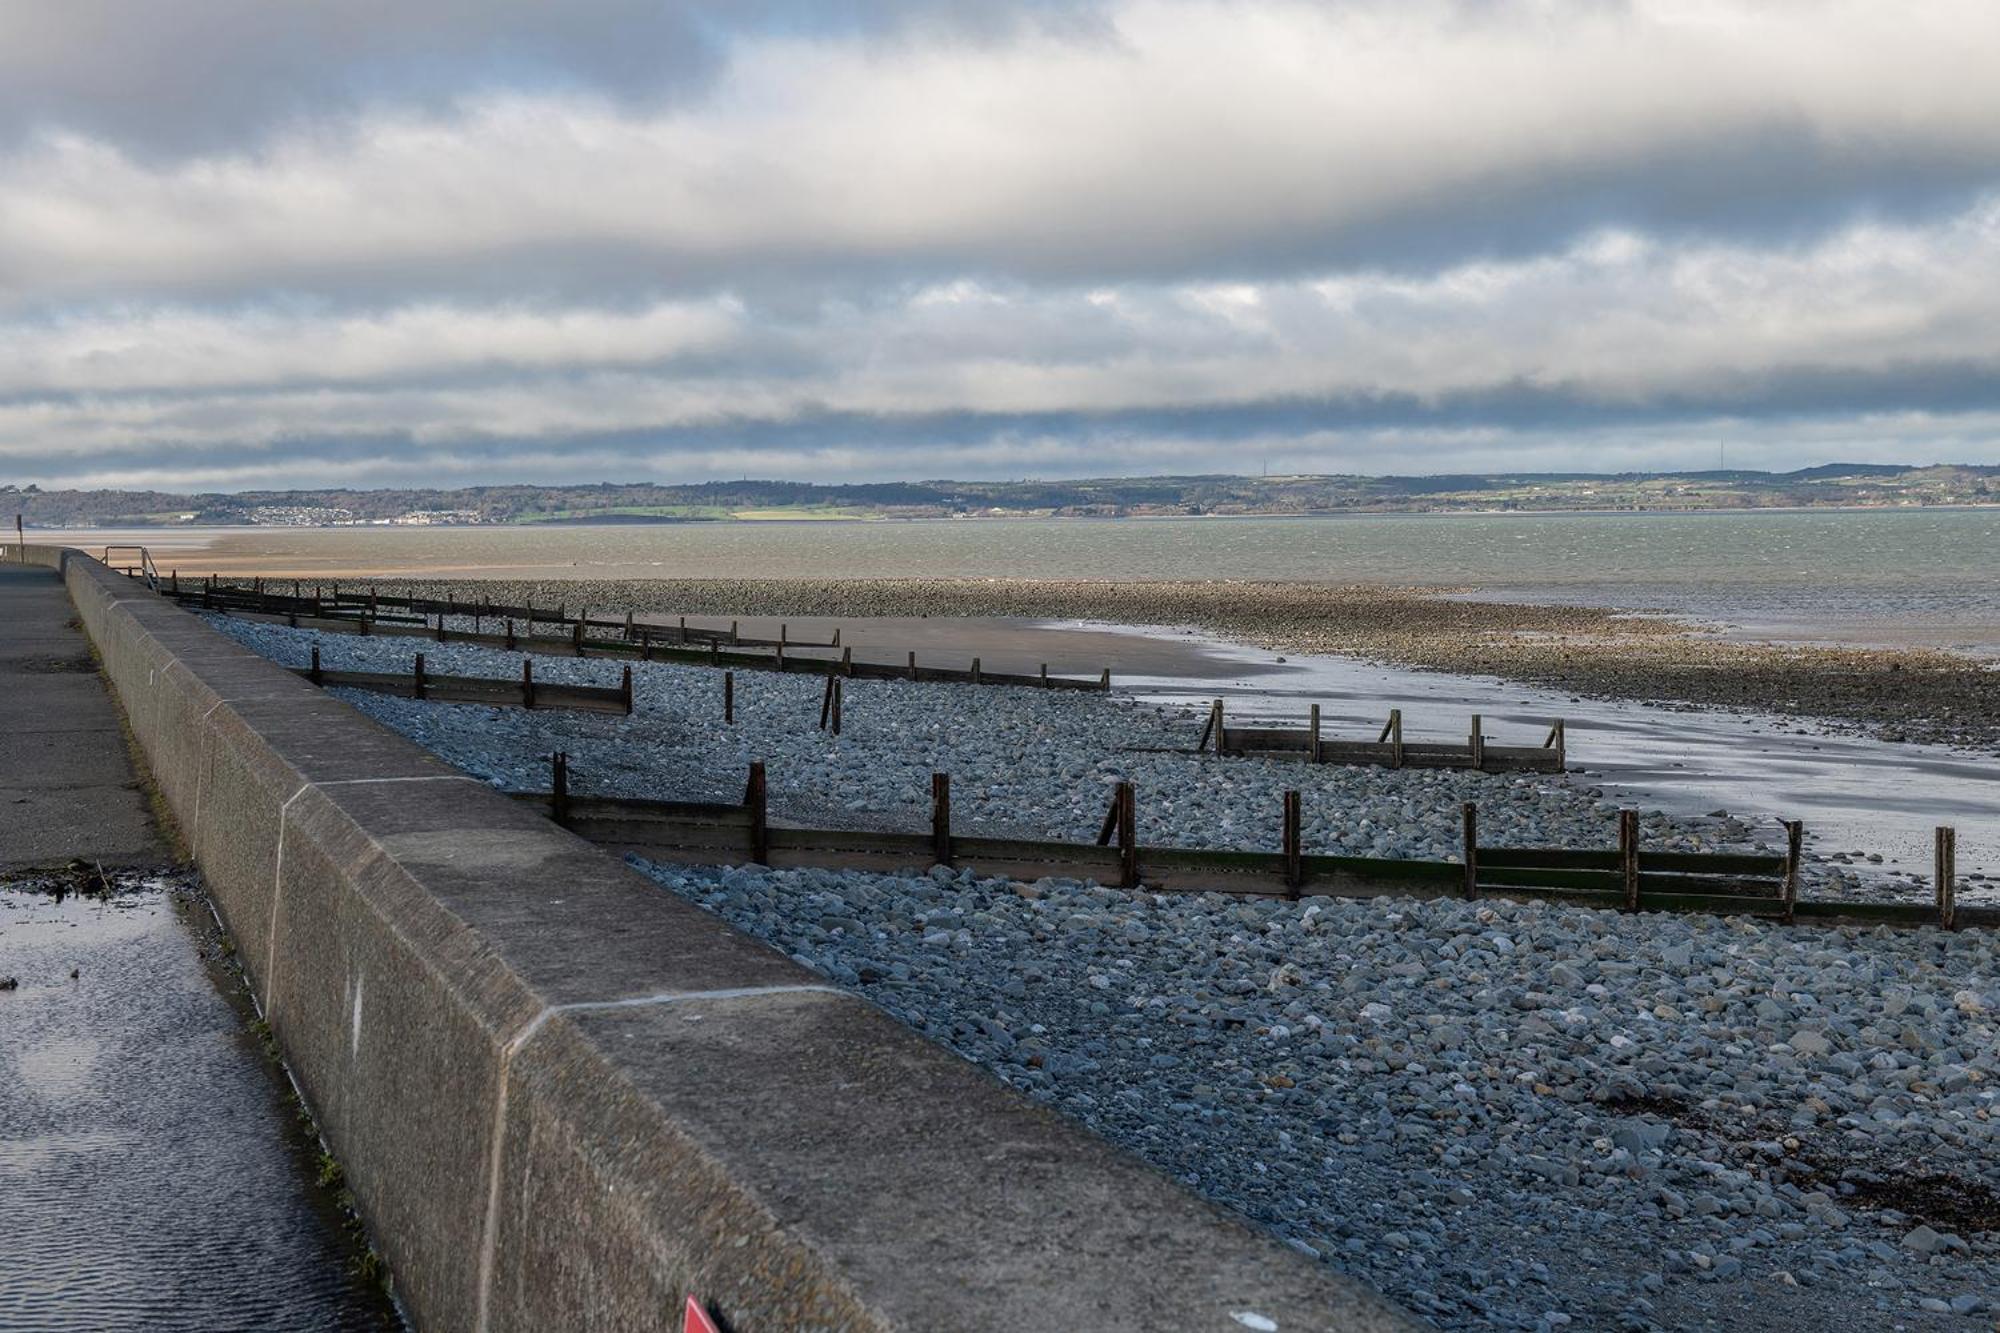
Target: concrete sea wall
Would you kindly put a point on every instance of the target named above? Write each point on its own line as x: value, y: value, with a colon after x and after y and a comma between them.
x: 566, y: 1099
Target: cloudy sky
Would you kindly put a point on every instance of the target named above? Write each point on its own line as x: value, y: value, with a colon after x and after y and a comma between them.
x: 248, y: 244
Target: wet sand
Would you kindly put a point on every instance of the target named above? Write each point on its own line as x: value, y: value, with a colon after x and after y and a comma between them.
x: 1892, y: 694
x: 1006, y: 644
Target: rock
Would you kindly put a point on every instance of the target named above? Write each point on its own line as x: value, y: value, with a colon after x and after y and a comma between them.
x: 1641, y: 1136
x: 1923, y: 1240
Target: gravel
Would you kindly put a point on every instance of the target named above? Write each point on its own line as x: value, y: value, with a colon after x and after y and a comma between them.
x: 1502, y: 1115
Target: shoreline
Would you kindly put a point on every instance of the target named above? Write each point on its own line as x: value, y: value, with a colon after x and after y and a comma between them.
x: 1928, y: 696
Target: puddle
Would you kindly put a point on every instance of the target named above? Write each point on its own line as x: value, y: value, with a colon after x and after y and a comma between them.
x: 152, y: 1174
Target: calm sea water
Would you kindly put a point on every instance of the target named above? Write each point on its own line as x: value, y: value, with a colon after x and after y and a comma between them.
x: 1924, y: 575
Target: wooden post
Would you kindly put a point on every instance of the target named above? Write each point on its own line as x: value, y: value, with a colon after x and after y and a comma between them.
x: 913, y: 665
x: 367, y: 624
x: 715, y: 652
x: 175, y: 574
x: 975, y: 671
x: 1628, y: 856
x: 1947, y: 877
x: 1128, y: 836
x: 839, y: 693
x: 625, y: 688
x: 316, y: 677
x: 1105, y: 684
x: 1795, y: 836
x: 847, y: 661
x: 1213, y: 731
x: 628, y: 627
x: 826, y: 703
x: 510, y: 635
x: 418, y: 683
x: 1557, y: 742
x: 576, y: 639
x: 941, y: 818
x: 559, y: 787
x: 781, y: 657
x: 732, y: 634
x: 1312, y: 751
x: 728, y: 698
x: 1471, y: 813
x: 1294, y: 835
x: 1045, y: 675
x: 836, y: 636
x: 440, y: 627
x: 1393, y: 733
x: 783, y: 633
x: 757, y: 799
x: 527, y: 682
x: 1478, y: 744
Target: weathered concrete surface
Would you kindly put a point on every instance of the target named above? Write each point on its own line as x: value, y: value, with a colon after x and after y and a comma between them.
x: 566, y: 1099
x: 67, y: 787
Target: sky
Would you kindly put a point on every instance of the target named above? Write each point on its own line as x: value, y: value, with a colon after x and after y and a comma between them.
x: 454, y: 242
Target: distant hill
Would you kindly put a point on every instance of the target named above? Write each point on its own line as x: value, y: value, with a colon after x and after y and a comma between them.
x: 1867, y: 484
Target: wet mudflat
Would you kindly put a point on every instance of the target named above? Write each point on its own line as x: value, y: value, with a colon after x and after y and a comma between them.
x: 1854, y: 792
x: 153, y: 1172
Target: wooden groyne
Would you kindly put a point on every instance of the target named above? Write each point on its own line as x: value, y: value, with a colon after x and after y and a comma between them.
x: 527, y: 692
x: 520, y: 629
x: 1627, y: 877
x: 1388, y: 750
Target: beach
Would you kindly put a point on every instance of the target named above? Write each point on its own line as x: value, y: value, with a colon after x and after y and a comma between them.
x: 1897, y: 694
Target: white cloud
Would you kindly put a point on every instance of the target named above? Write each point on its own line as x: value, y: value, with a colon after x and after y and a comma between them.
x: 1183, y: 134
x: 903, y: 246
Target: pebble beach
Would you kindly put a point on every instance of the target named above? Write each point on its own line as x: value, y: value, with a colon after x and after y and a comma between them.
x: 1502, y: 1115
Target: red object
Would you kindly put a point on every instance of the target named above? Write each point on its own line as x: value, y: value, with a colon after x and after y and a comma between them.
x: 696, y: 1319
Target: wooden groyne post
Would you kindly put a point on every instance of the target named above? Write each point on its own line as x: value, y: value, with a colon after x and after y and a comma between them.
x: 941, y: 818
x: 1946, y: 877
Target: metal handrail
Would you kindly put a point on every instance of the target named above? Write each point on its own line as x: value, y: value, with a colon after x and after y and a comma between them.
x: 144, y: 569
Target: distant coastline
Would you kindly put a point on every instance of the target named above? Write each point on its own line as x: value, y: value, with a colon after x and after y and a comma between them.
x: 1832, y: 486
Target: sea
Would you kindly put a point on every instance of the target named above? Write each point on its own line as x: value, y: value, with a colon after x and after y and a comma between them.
x: 1908, y: 577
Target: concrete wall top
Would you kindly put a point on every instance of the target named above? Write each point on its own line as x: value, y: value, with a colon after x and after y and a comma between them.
x: 566, y: 1098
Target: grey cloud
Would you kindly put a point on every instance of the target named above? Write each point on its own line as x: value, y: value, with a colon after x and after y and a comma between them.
x: 219, y: 75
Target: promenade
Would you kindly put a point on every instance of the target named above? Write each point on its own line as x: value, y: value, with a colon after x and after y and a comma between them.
x: 151, y: 1176
x: 68, y: 790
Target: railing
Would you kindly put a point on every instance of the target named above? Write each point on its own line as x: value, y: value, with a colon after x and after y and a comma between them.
x: 142, y: 568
